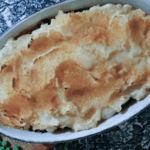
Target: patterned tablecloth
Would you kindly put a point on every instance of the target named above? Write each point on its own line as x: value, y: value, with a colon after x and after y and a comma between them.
x: 132, y: 134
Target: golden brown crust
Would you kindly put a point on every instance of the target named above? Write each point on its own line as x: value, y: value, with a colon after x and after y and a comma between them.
x: 83, y: 63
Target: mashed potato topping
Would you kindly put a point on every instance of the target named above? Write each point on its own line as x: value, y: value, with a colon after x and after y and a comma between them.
x: 76, y: 71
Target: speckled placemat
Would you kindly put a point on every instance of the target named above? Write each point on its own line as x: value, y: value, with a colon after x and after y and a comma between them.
x: 132, y: 134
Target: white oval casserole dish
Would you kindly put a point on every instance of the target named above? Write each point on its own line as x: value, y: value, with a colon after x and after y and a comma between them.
x: 50, y: 12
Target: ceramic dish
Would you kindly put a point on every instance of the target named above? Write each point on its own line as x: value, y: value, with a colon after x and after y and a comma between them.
x: 69, y: 135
